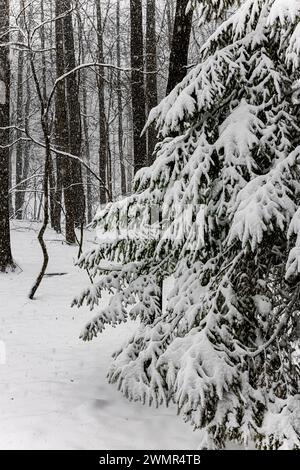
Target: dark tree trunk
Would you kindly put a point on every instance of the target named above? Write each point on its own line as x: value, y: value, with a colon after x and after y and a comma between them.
x: 51, y: 183
x: 138, y: 85
x: 6, y: 261
x: 45, y: 128
x: 180, y: 44
x: 52, y: 194
x: 151, y: 77
x: 46, y: 213
x: 42, y: 37
x: 120, y: 106
x: 10, y: 196
x: 103, y: 147
x: 27, y: 145
x: 85, y: 126
x: 170, y: 21
x: 63, y: 165
x: 109, y: 166
x: 22, y: 149
x: 19, y: 195
x: 87, y: 154
x: 61, y: 133
x: 74, y: 120
x: 109, y: 189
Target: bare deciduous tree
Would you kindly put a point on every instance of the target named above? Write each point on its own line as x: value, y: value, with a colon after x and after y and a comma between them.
x: 138, y: 84
x: 151, y: 69
x: 6, y: 261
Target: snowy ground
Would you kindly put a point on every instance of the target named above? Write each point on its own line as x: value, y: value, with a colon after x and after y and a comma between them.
x: 53, y: 390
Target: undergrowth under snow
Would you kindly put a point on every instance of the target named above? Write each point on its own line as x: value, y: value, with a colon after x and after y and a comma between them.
x: 53, y: 388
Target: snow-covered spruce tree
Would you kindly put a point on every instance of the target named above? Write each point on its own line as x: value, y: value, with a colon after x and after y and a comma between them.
x: 226, y: 185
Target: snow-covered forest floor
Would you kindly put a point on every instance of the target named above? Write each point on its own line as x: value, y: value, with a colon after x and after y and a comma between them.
x: 53, y: 388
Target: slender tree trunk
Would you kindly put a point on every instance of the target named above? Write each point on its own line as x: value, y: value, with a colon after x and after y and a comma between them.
x: 87, y: 153
x: 52, y: 188
x: 109, y: 167
x: 42, y: 96
x: 85, y: 126
x: 170, y: 20
x: 74, y: 119
x: 180, y: 44
x: 6, y: 261
x: 63, y: 165
x: 151, y: 77
x: 120, y: 106
x: 26, y: 115
x: 56, y: 172
x: 43, y: 58
x: 19, y: 195
x: 10, y: 184
x: 46, y: 217
x: 27, y: 145
x: 130, y: 148
x: 137, y: 84
x: 44, y: 92
x: 109, y: 172
x: 46, y: 214
x: 103, y: 147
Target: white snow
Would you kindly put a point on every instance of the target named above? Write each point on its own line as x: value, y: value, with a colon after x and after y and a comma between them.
x: 2, y: 92
x: 2, y: 353
x: 284, y: 10
x: 263, y: 304
x: 53, y: 388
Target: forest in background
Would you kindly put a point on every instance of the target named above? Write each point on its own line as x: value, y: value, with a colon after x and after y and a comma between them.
x: 83, y: 77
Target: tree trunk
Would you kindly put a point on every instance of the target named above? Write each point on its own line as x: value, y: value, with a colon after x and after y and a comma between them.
x: 27, y: 145
x: 74, y: 120
x: 85, y: 126
x: 103, y: 147
x: 151, y: 76
x: 46, y: 215
x: 120, y: 106
x: 45, y: 127
x: 137, y: 84
x: 51, y: 188
x: 109, y: 169
x: 170, y: 13
x: 19, y: 195
x: 63, y: 165
x: 88, y: 155
x: 61, y: 133
x: 6, y: 261
x: 180, y: 44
